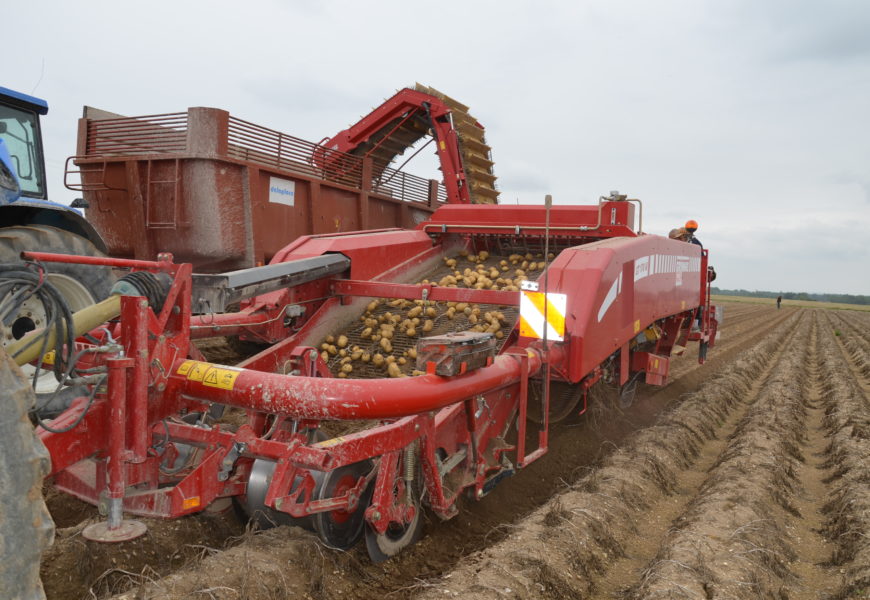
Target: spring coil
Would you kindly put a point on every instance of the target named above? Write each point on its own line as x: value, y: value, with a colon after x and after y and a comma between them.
x: 410, y: 462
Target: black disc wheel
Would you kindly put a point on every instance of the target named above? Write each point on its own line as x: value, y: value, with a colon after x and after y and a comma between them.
x: 253, y: 502
x: 342, y: 529
x: 383, y: 546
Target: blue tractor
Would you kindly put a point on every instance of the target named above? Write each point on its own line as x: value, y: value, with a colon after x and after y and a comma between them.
x: 24, y: 521
x: 31, y: 222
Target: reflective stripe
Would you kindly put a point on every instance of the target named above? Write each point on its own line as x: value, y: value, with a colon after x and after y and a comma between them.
x: 532, y: 318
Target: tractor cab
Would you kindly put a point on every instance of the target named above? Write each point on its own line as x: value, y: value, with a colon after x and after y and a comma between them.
x: 19, y: 129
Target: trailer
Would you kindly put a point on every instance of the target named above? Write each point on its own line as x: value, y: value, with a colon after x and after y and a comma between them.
x: 490, y: 322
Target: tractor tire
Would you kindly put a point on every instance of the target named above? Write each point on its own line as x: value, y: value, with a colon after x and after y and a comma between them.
x: 81, y: 285
x: 26, y: 528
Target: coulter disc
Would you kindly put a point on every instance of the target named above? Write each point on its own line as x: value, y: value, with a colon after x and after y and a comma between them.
x: 342, y: 529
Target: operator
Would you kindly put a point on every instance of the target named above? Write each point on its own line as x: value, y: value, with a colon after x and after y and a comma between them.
x: 691, y: 227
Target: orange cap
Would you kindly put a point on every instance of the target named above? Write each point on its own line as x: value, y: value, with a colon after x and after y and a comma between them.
x: 691, y: 225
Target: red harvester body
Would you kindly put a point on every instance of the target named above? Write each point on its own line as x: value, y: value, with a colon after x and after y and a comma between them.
x: 625, y: 302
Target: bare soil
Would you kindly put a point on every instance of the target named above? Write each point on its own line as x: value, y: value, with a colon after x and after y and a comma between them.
x: 746, y: 477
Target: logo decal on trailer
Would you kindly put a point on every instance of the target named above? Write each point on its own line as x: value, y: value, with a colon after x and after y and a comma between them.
x: 540, y: 311
x: 282, y: 191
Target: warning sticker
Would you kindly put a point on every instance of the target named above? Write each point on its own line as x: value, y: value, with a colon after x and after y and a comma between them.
x: 210, y: 375
x: 220, y: 377
x: 184, y: 368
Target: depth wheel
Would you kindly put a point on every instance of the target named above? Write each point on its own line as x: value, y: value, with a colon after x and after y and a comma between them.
x: 383, y: 546
x: 253, y: 503
x: 342, y: 529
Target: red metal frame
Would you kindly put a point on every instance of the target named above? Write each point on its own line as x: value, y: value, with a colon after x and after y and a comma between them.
x: 402, y: 106
x: 629, y: 296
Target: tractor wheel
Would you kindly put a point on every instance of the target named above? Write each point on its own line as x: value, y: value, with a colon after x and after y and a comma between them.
x: 80, y: 285
x: 26, y: 528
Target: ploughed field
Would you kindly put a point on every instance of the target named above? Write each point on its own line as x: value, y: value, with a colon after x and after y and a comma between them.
x: 747, y: 477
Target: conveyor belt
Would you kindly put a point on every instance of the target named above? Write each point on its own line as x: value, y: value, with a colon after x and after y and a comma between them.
x: 401, y: 343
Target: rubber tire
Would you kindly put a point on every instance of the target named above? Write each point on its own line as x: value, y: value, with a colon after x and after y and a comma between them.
x: 26, y: 528
x: 43, y: 238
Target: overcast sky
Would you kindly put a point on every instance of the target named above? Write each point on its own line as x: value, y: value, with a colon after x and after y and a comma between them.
x: 750, y: 117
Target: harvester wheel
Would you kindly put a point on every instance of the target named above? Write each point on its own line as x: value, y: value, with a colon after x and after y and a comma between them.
x: 383, y: 546
x: 80, y: 285
x: 253, y: 503
x: 338, y: 528
x: 26, y: 527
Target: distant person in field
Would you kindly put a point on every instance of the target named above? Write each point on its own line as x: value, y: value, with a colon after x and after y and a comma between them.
x: 778, y: 302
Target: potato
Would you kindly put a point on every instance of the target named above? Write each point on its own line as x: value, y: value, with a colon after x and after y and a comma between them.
x: 472, y: 319
x: 346, y: 368
x: 493, y: 273
x: 467, y: 310
x: 378, y: 360
x: 390, y: 359
x: 394, y: 370
x: 412, y: 353
x: 416, y: 373
x: 372, y: 306
x: 411, y: 332
x: 524, y: 265
x: 432, y: 312
x: 330, y: 339
x: 332, y: 350
x: 402, y: 360
x: 366, y: 332
x: 534, y: 266
x: 551, y: 256
x: 528, y: 256
x: 451, y: 262
x: 324, y: 355
x: 342, y: 375
x: 366, y: 357
x: 386, y: 345
x: 415, y: 312
x: 324, y: 346
x: 342, y: 353
x: 376, y: 337
x: 499, y: 335
x: 356, y: 355
x: 463, y: 252
x: 428, y: 325
x: 483, y: 255
x: 387, y: 333
x: 520, y: 273
x: 460, y: 307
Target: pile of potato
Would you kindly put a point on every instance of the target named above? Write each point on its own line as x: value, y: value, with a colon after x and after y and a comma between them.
x: 387, y: 325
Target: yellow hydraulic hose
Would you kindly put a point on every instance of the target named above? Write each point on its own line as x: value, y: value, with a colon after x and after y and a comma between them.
x: 83, y: 321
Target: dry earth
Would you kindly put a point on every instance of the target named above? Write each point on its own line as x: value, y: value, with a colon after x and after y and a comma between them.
x: 746, y: 477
